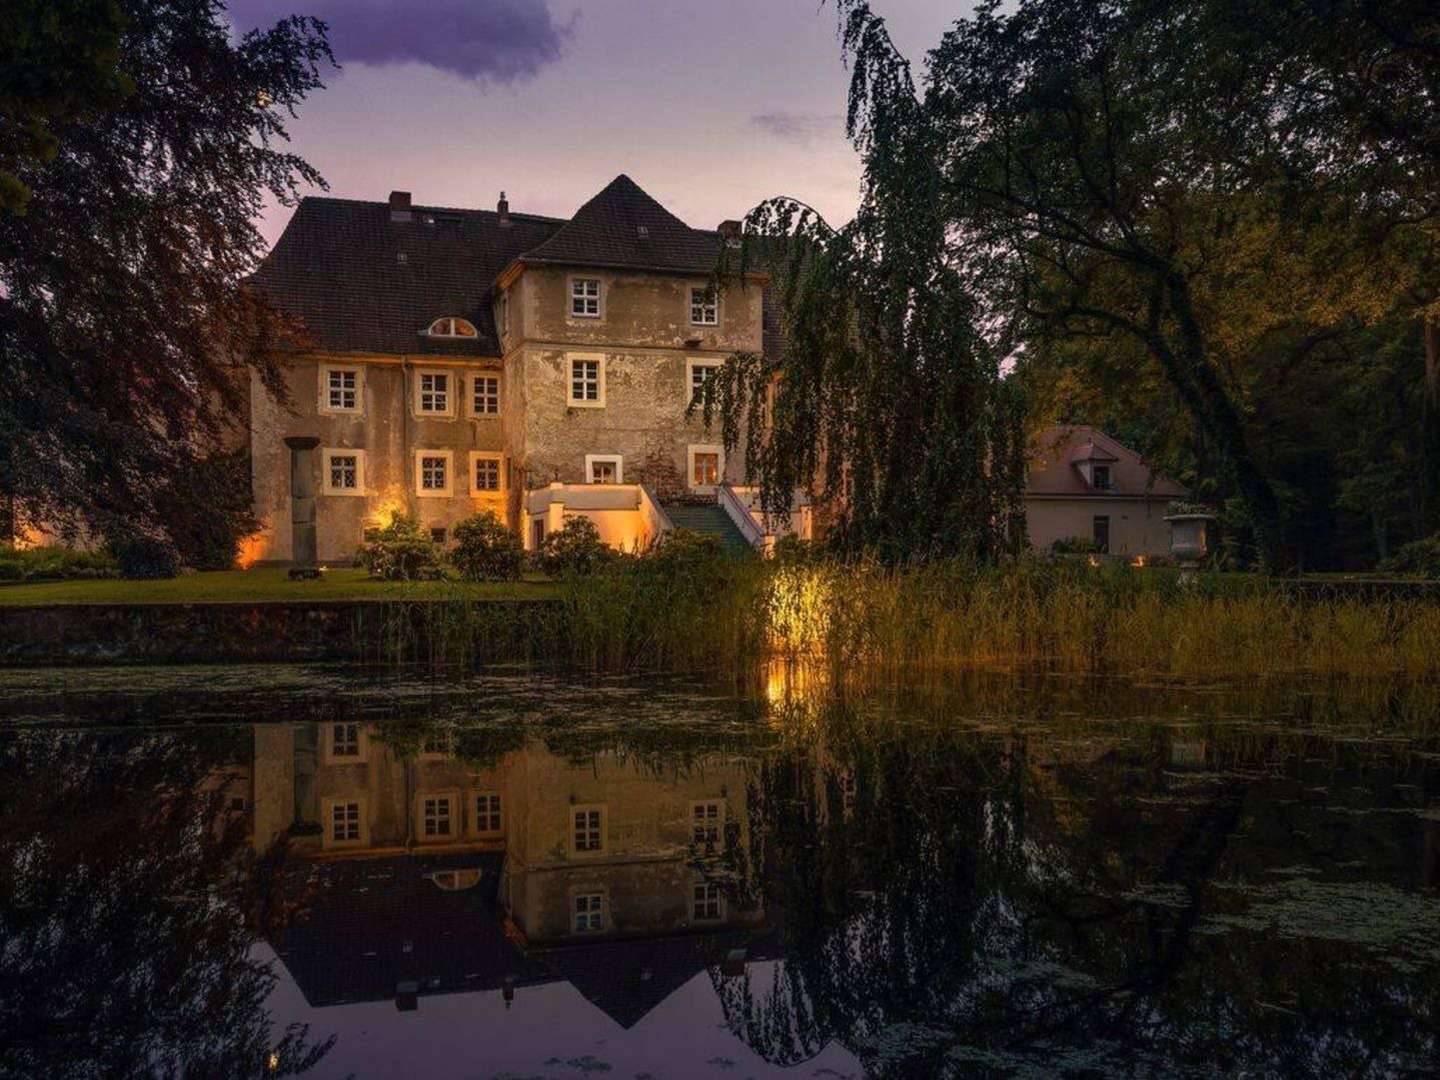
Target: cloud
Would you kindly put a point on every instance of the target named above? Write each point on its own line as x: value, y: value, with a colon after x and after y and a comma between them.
x: 798, y: 127
x: 482, y: 40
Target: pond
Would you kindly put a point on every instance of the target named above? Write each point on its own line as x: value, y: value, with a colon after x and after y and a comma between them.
x: 268, y: 871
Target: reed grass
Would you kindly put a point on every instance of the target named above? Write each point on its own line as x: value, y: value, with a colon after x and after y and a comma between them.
x: 700, y: 614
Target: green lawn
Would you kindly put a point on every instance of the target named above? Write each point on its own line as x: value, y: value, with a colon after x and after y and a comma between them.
x: 269, y: 584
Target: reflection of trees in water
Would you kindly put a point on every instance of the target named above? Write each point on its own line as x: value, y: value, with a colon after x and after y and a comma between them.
x: 973, y: 913
x: 126, y: 945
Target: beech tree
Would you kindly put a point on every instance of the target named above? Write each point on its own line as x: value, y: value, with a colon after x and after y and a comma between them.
x: 126, y: 335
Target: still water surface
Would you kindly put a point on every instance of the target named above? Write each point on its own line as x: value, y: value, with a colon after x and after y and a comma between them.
x: 257, y: 872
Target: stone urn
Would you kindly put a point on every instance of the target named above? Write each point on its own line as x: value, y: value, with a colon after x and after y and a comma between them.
x: 1188, y: 541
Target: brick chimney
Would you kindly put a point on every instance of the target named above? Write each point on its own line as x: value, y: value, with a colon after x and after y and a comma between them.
x: 502, y: 211
x: 730, y: 231
x: 400, y: 206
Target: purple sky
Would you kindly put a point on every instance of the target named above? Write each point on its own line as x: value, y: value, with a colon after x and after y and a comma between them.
x: 710, y: 107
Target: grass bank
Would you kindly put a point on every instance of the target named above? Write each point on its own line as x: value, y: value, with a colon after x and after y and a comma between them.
x: 267, y: 585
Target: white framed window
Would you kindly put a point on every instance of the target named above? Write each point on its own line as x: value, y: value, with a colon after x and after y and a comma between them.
x: 705, y: 466
x: 485, y: 395
x: 587, y: 830
x: 487, y: 472
x: 707, y: 825
x: 488, y: 819
x: 438, y: 816
x: 586, y: 373
x: 342, y: 389
x: 707, y: 902
x: 434, y: 471
x: 697, y: 370
x: 587, y: 912
x: 604, y: 469
x: 434, y: 393
x: 704, y: 306
x: 584, y: 298
x: 451, y: 326
x: 344, y: 743
x: 344, y: 823
x: 344, y: 471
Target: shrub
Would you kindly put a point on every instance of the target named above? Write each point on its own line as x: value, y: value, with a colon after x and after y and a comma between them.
x: 1075, y: 545
x: 208, y: 510
x: 485, y: 550
x: 142, y: 557
x: 574, y: 549
x: 55, y: 563
x: 1421, y: 557
x: 401, y: 551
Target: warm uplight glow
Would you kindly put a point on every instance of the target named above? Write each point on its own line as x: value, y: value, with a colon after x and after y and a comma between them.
x: 252, y: 549
x: 274, y: 1060
x: 1094, y: 561
x: 1138, y: 560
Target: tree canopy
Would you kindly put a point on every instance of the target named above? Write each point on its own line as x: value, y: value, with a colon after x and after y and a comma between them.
x: 133, y: 175
x: 1195, y: 195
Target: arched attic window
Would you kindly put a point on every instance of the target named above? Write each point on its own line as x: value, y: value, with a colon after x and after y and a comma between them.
x: 451, y: 326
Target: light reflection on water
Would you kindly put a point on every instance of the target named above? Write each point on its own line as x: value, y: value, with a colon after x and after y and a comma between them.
x: 521, y: 876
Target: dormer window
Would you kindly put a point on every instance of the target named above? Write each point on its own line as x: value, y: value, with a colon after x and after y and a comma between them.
x: 1101, y: 474
x: 451, y: 327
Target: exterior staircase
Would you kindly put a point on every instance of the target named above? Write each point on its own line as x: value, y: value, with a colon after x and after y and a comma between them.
x: 710, y: 521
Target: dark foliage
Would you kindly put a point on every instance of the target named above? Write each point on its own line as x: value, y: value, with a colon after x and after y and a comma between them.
x: 142, y: 556
x: 402, y: 551
x: 208, y: 509
x: 127, y: 337
x: 574, y: 549
x: 487, y: 550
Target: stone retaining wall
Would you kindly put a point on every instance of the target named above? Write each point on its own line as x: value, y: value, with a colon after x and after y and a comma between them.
x: 352, y: 630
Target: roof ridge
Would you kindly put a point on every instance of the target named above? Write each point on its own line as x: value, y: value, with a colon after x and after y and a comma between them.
x: 417, y: 207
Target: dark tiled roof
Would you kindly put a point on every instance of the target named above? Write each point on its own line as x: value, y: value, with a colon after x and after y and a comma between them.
x: 338, y: 267
x: 367, y: 924
x: 607, y: 232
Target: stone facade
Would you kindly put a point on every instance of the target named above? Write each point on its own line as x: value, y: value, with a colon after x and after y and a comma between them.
x: 385, y: 446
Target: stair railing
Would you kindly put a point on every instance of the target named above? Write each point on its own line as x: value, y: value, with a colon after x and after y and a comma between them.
x: 738, y: 512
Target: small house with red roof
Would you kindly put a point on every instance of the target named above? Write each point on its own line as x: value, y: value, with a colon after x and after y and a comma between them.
x: 1082, y: 483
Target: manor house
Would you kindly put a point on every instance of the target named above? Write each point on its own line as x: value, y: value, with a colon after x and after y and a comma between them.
x: 539, y: 367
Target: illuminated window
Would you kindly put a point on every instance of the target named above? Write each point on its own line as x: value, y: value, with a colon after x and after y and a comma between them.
x: 604, y: 468
x: 589, y: 912
x: 585, y: 298
x: 434, y: 392
x: 486, y: 398
x: 707, y: 463
x: 704, y: 307
x: 487, y: 813
x: 707, y: 904
x: 588, y: 828
x: 707, y: 825
x: 344, y: 822
x: 451, y: 327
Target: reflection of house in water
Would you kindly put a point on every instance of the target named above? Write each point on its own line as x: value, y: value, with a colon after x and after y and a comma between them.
x: 423, y: 870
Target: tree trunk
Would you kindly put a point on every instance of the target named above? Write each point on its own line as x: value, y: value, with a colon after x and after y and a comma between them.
x: 1195, y: 378
x: 1430, y: 429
